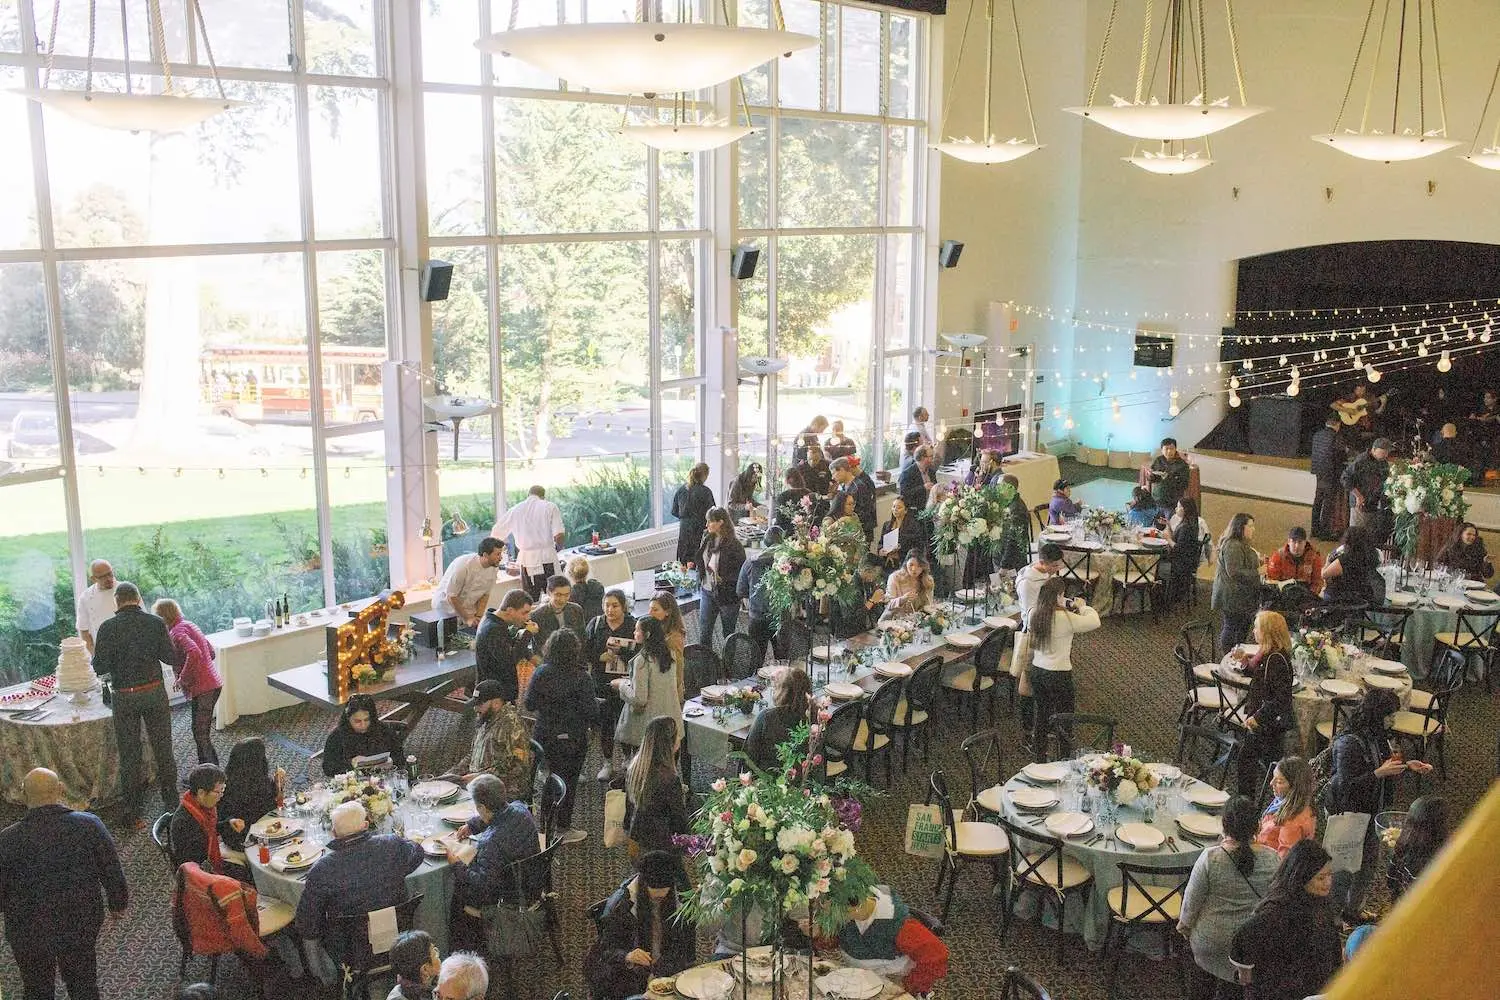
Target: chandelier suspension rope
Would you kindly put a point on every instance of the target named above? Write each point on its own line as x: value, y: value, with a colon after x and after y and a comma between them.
x: 1437, y: 53
x: 963, y: 42
x: 1140, y: 68
x: 1109, y: 29
x: 1485, y: 113
x: 1015, y: 21
x: 159, y: 39
x: 1234, y: 49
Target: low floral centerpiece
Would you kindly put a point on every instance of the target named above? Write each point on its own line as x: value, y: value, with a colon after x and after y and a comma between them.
x: 744, y: 699
x: 1102, y: 522
x: 1119, y: 775
x: 781, y: 843
x: 369, y: 791
x: 1316, y: 651
x: 678, y: 576
x: 813, y: 564
x: 1418, y: 489
x: 972, y: 517
x: 935, y: 618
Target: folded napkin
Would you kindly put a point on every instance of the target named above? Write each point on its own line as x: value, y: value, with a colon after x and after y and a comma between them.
x: 382, y: 930
x: 1078, y: 825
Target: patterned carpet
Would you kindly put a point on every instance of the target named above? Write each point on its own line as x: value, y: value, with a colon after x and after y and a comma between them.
x: 1124, y: 670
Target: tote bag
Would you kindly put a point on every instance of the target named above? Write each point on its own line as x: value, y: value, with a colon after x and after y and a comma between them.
x: 615, y: 834
x: 926, y: 833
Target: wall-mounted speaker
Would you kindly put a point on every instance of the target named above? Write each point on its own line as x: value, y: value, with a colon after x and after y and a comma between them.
x: 742, y: 264
x: 437, y: 275
x: 949, y: 252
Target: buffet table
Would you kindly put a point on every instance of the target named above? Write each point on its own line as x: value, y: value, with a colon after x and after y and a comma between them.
x: 1036, y: 473
x: 75, y: 740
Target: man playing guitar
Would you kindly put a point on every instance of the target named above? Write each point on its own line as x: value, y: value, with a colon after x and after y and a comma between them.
x: 1358, y: 409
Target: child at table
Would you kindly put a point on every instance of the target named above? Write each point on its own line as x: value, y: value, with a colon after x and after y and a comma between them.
x: 882, y: 936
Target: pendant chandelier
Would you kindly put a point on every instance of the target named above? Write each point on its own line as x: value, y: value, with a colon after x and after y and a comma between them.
x: 1143, y: 116
x: 1398, y: 144
x: 1489, y: 156
x: 684, y: 136
x: 987, y: 150
x: 647, y: 56
x: 134, y: 111
x: 1172, y: 157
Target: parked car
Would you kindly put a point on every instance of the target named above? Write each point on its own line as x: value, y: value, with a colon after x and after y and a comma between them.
x: 33, y: 434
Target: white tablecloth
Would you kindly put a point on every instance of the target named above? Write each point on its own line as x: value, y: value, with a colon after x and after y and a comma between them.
x: 1312, y: 704
x: 1035, y: 472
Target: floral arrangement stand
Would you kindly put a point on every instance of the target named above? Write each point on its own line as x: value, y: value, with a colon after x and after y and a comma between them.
x: 1101, y: 523
x: 815, y: 566
x: 973, y: 518
x: 1423, y: 492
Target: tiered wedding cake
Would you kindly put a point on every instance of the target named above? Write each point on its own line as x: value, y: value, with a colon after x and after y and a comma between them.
x: 73, y: 670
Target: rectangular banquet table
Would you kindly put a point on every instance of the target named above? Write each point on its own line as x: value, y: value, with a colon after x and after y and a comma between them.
x: 420, y: 683
x: 1036, y: 473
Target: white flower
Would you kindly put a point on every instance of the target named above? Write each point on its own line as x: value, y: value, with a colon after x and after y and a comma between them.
x: 1126, y: 792
x: 716, y: 864
x: 840, y: 842
x: 719, y: 785
x: 794, y: 838
x: 745, y: 859
x: 755, y: 813
x: 788, y: 863
x: 1414, y: 502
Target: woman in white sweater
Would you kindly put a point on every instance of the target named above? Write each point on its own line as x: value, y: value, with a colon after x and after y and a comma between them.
x: 1054, y: 622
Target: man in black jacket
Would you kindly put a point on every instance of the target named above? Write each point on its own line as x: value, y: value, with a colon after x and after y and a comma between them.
x: 54, y: 863
x: 1364, y: 478
x: 852, y: 481
x: 129, y: 650
x: 915, y: 483
x: 1327, y: 465
x: 748, y: 586
x: 504, y: 639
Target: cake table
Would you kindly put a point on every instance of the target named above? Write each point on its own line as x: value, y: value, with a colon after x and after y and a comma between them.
x: 75, y: 740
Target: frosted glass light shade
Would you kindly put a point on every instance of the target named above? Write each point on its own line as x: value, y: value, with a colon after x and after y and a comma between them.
x: 969, y: 151
x: 1386, y: 148
x: 1489, y: 159
x: 964, y: 341
x: 686, y: 137
x: 1166, y: 122
x: 133, y: 112
x: 1169, y: 163
x: 645, y: 57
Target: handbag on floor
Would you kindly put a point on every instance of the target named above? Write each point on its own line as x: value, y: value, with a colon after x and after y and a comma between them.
x: 1020, y: 659
x: 926, y: 833
x: 615, y: 833
x: 511, y: 931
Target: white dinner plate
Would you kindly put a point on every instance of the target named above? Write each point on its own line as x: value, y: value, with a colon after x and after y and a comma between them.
x: 998, y: 621
x: 274, y: 828
x: 457, y: 815
x: 1205, y: 796
x: 893, y: 668
x: 1473, y: 584
x: 1166, y: 772
x: 848, y: 983
x: 1047, y: 774
x: 704, y: 982
x: 961, y: 640
x: 294, y: 857
x: 824, y: 652
x: 1068, y: 824
x: 970, y: 596
x: 1382, y: 681
x: 1401, y: 599
x: 1483, y: 596
x: 433, y: 848
x: 1140, y: 836
x: 770, y: 672
x: 842, y: 691
x: 438, y: 791
x: 1155, y: 543
x: 1339, y: 689
x: 1450, y: 602
x: 1200, y: 825
x: 1091, y: 546
x: 713, y: 692
x: 1030, y: 799
x: 1388, y: 666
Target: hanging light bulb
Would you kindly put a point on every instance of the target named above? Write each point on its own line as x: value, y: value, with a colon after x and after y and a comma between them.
x: 1372, y: 373
x: 1484, y: 336
x: 1422, y: 349
x: 1293, y: 387
x: 1445, y: 363
x: 1281, y: 360
x: 1234, y: 381
x: 1234, y: 398
x: 1115, y: 406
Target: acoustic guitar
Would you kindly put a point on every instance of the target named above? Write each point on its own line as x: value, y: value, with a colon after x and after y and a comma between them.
x: 1359, y: 411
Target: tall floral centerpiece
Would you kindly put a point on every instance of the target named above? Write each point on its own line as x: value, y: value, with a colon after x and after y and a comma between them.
x: 972, y: 517
x: 1421, y: 490
x: 814, y: 563
x: 779, y: 843
x: 1102, y: 522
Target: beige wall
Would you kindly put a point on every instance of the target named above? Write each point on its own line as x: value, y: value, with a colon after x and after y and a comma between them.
x: 1073, y: 225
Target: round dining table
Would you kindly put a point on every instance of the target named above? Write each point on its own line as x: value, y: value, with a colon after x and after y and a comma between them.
x: 1313, y: 697
x: 433, y: 878
x: 1102, y: 857
x: 74, y: 738
x: 698, y: 981
x: 1433, y: 610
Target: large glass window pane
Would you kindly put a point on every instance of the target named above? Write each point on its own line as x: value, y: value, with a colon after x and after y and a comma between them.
x: 357, y: 503
x: 757, y: 82
x: 18, y: 206
x: 610, y: 494
x: 340, y: 37
x: 36, y: 581
x: 825, y: 302
x: 679, y: 270
x: 560, y: 168
x: 800, y: 75
x: 28, y: 423
x: 511, y: 72
x: 346, y: 160
x: 859, y: 61
x: 254, y: 33
x: 190, y: 397
x: 678, y: 441
x: 827, y: 173
x: 352, y: 327
x: 231, y: 179
x: 448, y: 33
x: 905, y: 63
x: 10, y: 26
x: 677, y: 190
x: 900, y: 307
x: 461, y: 331
x: 900, y: 176
x: 73, y: 30
x: 455, y: 164
x: 575, y: 344
x: 753, y: 163
x: 898, y: 406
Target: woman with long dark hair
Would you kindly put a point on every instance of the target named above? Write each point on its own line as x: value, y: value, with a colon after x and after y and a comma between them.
x: 1465, y: 553
x: 869, y: 605
x: 665, y: 610
x: 654, y: 792
x: 909, y: 588
x: 1290, y: 948
x: 911, y: 534
x: 1291, y: 816
x: 562, y: 696
x: 360, y: 733
x: 1351, y: 574
x: 1227, y: 881
x: 773, y: 727
x: 742, y: 492
x: 606, y: 642
x: 1055, y: 619
x: 251, y: 789
x: 1185, y: 552
x: 1422, y: 836
x: 690, y: 505
x: 719, y: 563
x: 639, y: 935
x: 1236, y: 593
x: 789, y: 501
x: 654, y: 686
x: 1268, y: 704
